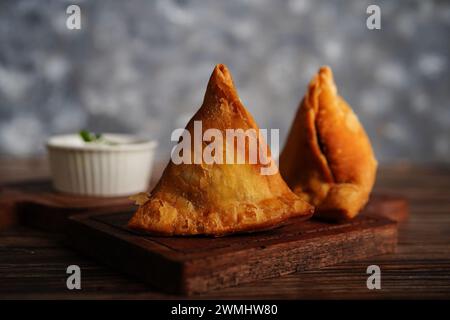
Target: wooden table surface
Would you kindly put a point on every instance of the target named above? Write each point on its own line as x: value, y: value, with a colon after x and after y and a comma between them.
x: 33, y: 263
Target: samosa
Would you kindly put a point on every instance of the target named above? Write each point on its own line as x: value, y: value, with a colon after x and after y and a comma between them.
x: 328, y: 159
x: 217, y: 199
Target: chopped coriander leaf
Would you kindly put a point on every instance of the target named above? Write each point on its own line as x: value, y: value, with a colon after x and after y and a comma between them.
x: 94, y: 138
x: 89, y: 137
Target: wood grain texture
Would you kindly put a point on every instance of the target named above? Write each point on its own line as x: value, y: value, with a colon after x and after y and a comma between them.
x: 33, y: 263
x: 388, y: 206
x: 37, y: 204
x: 199, y: 264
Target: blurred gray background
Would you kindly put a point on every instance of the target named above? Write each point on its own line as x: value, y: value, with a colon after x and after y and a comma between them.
x: 142, y: 67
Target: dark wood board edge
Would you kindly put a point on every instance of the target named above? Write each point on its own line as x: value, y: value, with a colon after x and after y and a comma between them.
x: 8, y: 215
x: 160, y: 268
x: 9, y: 200
x: 391, y: 206
x: 94, y: 239
x: 285, y: 258
x: 25, y: 203
x: 54, y: 219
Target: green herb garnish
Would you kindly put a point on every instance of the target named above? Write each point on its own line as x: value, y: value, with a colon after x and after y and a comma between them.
x: 90, y: 136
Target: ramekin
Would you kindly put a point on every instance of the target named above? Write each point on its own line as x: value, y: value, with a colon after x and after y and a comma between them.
x: 97, y: 169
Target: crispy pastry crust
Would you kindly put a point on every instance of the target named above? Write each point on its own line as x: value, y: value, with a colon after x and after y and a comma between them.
x: 328, y: 159
x: 218, y: 199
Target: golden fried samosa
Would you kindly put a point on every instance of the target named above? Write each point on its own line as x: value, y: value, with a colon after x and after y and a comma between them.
x: 219, y: 198
x: 328, y: 159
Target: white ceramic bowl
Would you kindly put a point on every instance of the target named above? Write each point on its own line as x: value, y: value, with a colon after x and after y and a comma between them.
x: 97, y: 169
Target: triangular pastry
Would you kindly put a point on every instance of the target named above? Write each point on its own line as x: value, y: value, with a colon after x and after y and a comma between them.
x: 218, y: 199
x: 328, y: 159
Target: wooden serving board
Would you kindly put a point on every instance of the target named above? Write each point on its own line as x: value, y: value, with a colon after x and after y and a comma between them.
x: 36, y: 204
x: 191, y: 265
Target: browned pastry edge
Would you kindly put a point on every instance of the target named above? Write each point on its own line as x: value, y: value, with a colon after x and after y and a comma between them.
x: 260, y: 228
x: 328, y: 159
x: 218, y: 199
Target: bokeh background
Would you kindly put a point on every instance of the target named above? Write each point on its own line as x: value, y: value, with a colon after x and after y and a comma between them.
x: 142, y: 67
